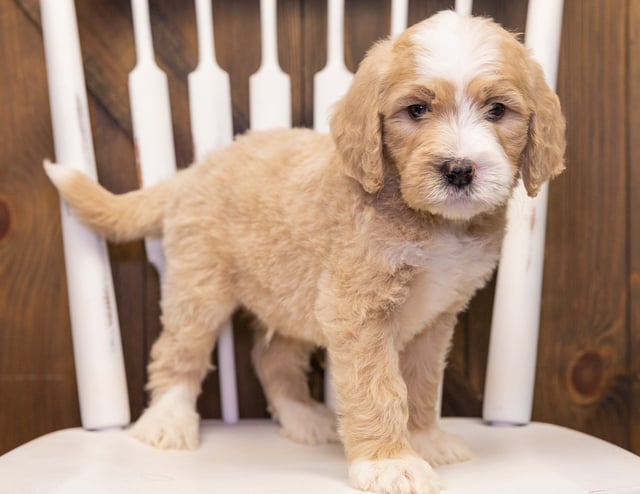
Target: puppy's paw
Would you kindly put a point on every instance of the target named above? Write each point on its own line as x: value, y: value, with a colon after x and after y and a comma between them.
x: 439, y: 447
x: 306, y: 423
x: 406, y: 475
x: 170, y: 423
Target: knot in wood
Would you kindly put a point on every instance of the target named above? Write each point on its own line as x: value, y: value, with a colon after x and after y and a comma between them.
x: 5, y: 219
x: 587, y: 376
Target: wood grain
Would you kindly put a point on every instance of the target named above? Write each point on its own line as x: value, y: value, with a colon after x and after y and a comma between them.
x: 582, y: 365
x: 314, y: 42
x: 37, y: 382
x: 512, y: 14
x: 237, y: 33
x: 365, y: 22
x: 422, y: 10
x: 633, y: 223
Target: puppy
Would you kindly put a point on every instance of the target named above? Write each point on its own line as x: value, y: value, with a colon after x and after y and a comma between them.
x: 368, y: 242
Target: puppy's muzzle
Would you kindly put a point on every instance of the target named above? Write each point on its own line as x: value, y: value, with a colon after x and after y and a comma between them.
x: 458, y: 172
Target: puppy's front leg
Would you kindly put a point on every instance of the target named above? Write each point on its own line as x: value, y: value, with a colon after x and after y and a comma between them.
x: 372, y: 401
x: 422, y: 363
x: 372, y: 397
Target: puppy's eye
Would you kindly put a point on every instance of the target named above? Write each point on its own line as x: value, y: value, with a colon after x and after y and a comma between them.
x: 417, y: 111
x: 496, y: 112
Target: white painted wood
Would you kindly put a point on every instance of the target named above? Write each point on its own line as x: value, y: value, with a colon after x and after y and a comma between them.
x: 100, y: 373
x: 151, y: 117
x: 329, y: 85
x: 253, y: 458
x: 513, y: 344
x: 269, y: 87
x: 399, y: 16
x: 464, y: 7
x: 209, y: 91
x: 212, y: 127
x: 332, y: 82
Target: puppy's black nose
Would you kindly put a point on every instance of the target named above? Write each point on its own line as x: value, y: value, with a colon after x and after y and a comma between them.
x: 458, y: 172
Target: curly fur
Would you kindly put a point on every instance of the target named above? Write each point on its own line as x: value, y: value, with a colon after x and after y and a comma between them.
x: 355, y: 242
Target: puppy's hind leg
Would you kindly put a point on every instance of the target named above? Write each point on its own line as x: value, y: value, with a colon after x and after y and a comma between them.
x: 195, y: 304
x: 282, y: 365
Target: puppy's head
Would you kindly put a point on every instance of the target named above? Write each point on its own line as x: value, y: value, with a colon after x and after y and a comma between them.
x: 459, y: 108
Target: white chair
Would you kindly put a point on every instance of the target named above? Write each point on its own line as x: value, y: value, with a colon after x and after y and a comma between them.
x: 250, y: 456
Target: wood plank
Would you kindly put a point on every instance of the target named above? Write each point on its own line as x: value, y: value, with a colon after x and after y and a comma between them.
x: 633, y: 222
x: 419, y: 10
x: 582, y: 371
x: 37, y: 384
x: 512, y: 14
x: 106, y: 61
x: 314, y: 41
x: 173, y: 30
x: 366, y: 21
x: 237, y: 33
x: 291, y: 53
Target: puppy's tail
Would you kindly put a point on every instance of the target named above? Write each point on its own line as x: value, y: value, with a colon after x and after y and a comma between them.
x: 119, y: 218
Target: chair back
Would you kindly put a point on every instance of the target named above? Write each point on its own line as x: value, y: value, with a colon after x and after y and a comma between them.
x: 98, y: 351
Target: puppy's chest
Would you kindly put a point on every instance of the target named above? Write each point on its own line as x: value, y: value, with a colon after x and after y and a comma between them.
x: 447, y: 275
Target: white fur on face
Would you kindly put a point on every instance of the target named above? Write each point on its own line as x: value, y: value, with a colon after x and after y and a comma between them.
x: 467, y: 135
x: 458, y: 50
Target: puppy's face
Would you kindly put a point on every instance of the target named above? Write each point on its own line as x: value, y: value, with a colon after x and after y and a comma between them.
x: 460, y: 110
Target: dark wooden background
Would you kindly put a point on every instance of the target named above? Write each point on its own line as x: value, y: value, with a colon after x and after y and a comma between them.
x: 589, y: 358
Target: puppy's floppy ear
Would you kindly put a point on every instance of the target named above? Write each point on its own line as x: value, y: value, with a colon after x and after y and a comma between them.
x: 356, y: 122
x: 543, y: 156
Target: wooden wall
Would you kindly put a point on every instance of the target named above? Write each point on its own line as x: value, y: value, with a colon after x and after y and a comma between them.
x: 589, y: 359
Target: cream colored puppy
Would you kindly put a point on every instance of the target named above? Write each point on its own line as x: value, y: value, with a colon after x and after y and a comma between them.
x: 368, y: 242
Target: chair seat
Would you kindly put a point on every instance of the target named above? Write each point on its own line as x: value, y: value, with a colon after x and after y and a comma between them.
x: 251, y: 458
